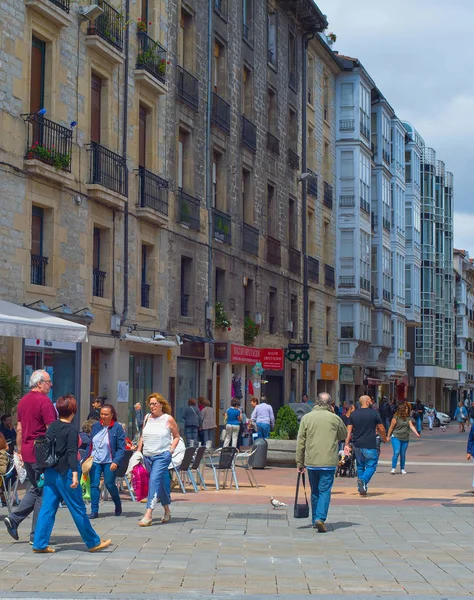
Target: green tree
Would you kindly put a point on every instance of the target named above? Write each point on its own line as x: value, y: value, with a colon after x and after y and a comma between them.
x: 10, y: 390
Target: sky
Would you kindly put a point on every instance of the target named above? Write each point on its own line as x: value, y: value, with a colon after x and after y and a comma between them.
x: 420, y: 53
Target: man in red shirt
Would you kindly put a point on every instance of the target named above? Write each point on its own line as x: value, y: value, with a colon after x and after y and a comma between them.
x: 35, y: 413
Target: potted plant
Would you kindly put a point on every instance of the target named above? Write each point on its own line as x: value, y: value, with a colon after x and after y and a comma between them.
x: 331, y: 38
x: 141, y: 25
x: 10, y: 390
x: 222, y: 320
x: 251, y: 330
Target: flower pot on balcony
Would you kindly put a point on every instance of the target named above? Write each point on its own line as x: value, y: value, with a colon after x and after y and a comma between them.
x: 30, y: 155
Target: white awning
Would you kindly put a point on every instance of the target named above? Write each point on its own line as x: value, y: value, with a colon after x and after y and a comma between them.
x: 23, y: 322
x: 158, y: 340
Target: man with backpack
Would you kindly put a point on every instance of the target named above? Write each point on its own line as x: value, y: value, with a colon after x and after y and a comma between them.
x: 35, y: 413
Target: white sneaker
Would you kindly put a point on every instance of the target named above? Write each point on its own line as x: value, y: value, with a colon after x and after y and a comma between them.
x: 403, y: 472
x: 393, y: 471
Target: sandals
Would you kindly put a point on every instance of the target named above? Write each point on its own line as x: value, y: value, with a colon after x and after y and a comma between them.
x: 103, y: 544
x: 46, y: 550
x: 145, y: 522
x: 166, y: 518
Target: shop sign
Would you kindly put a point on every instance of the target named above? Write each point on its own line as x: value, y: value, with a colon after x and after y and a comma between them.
x: 220, y: 350
x: 346, y: 374
x: 272, y: 359
x: 193, y: 349
x: 328, y: 372
x: 244, y: 354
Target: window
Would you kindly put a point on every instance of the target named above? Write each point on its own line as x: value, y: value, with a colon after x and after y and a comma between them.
x: 142, y: 122
x: 98, y: 262
x: 312, y: 321
x: 311, y: 232
x: 347, y: 168
x: 365, y: 260
x: 186, y: 44
x: 310, y: 75
x: 272, y: 126
x: 327, y: 175
x: 247, y: 18
x: 364, y: 182
x: 294, y: 315
x: 328, y: 323
x: 247, y: 92
x: 249, y: 299
x: 219, y: 69
x: 37, y: 79
x: 292, y: 230
x: 247, y: 197
x: 184, y: 166
x: 326, y: 98
x: 347, y: 106
x: 218, y: 181
x: 311, y: 148
x: 365, y: 108
x: 144, y: 11
x: 96, y: 108
x: 186, y: 286
x: 365, y: 322
x: 272, y: 311
x: 346, y: 315
x: 38, y: 260
x: 346, y: 255
x: 220, y: 286
x: 292, y: 130
x: 271, y: 209
x: 145, y: 286
x: 328, y: 260
x: 292, y: 59
x: 272, y: 25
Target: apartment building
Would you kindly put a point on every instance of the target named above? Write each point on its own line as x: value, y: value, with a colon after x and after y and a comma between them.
x: 152, y: 190
x: 464, y: 315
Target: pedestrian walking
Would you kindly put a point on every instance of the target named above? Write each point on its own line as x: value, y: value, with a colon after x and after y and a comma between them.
x: 158, y: 441
x: 470, y: 451
x: 192, y: 421
x: 431, y: 413
x: 399, y: 433
x: 385, y: 413
x: 364, y: 425
x: 61, y: 483
x: 208, y: 423
x: 460, y: 416
x: 263, y: 417
x: 316, y: 451
x: 232, y: 427
x: 138, y: 415
x: 95, y: 410
x: 418, y: 413
x: 35, y: 413
x: 107, y: 449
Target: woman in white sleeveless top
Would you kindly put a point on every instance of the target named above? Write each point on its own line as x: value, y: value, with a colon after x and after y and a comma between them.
x: 160, y: 436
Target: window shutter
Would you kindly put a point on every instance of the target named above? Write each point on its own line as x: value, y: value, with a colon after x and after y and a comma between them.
x: 96, y: 107
x: 38, y: 55
x: 180, y: 163
x: 96, y: 249
x: 37, y: 231
x: 142, y: 136
x: 216, y: 50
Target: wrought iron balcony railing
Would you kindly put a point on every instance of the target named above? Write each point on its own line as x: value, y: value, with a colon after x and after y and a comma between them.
x: 48, y: 142
x: 189, y: 211
x: 188, y: 88
x: 145, y: 295
x: 98, y: 282
x: 273, y: 251
x: 364, y: 284
x: 313, y: 269
x: 38, y: 269
x: 64, y: 5
x: 346, y: 201
x: 220, y: 114
x: 293, y: 159
x: 250, y: 239
x: 222, y: 226
x: 273, y: 143
x: 346, y: 281
x: 249, y: 134
x: 109, y: 25
x: 365, y: 131
x: 386, y: 224
x: 312, y: 184
x: 365, y: 205
x: 329, y: 280
x: 107, y: 168
x: 152, y: 192
x: 327, y: 195
x: 151, y: 56
x: 184, y: 305
x: 346, y: 125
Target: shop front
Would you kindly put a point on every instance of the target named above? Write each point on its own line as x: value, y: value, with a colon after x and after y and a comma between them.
x: 189, y: 377
x: 328, y: 375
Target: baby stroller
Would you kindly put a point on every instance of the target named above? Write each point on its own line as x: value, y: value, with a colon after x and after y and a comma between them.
x: 346, y: 464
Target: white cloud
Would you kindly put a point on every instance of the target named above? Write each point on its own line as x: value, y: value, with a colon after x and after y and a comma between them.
x: 464, y: 232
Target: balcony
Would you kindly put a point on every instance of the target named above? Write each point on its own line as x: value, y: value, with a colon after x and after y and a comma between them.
x: 38, y: 269
x: 245, y: 32
x: 364, y: 130
x: 105, y: 34
x: 365, y: 206
x: 386, y: 156
x: 312, y: 184
x: 151, y: 63
x: 387, y: 296
x: 373, y: 220
x: 249, y: 135
x: 386, y: 224
x: 293, y: 159
x: 327, y: 195
x: 189, y: 210
x: 346, y: 125
x: 188, y: 88
x: 250, y: 239
x: 294, y: 261
x: 273, y: 251
x: 221, y: 226
x: 98, y: 282
x: 364, y: 284
x: 346, y: 201
x: 152, y: 205
x: 56, y: 11
x: 184, y: 308
x: 145, y: 295
x: 346, y: 281
x: 313, y: 269
x: 48, y: 149
x: 220, y: 114
x: 273, y: 143
x: 107, y: 176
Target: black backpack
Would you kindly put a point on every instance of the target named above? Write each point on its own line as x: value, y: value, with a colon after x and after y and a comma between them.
x: 45, y: 450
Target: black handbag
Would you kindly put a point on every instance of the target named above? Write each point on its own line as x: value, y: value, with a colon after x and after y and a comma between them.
x: 301, y: 511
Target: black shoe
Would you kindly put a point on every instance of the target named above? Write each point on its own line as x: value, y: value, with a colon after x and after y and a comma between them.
x: 361, y: 487
x: 11, y: 528
x: 118, y: 511
x: 320, y: 526
x: 94, y: 515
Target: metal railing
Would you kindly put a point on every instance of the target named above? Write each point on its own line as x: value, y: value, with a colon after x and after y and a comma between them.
x: 364, y: 284
x: 109, y: 25
x: 365, y: 131
x: 346, y: 281
x: 222, y: 226
x: 145, y: 295
x: 386, y: 224
x: 293, y: 159
x: 346, y: 201
x: 273, y: 143
x: 294, y: 261
x: 313, y: 269
x: 387, y: 295
x: 98, y: 282
x: 250, y: 239
x: 346, y: 125
x: 184, y: 305
x: 107, y: 168
x: 188, y: 88
x: 373, y: 220
x: 312, y: 184
x: 152, y: 192
x: 249, y: 134
x: 48, y: 142
x: 245, y: 32
x: 386, y: 156
x: 327, y: 195
x: 273, y: 251
x: 189, y: 211
x: 38, y: 269
x: 220, y: 114
x: 365, y: 205
x: 62, y: 4
x: 151, y: 56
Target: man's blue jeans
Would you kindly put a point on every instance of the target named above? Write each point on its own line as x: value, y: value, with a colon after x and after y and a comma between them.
x: 263, y: 430
x: 191, y: 434
x: 367, y: 460
x: 159, y: 486
x: 399, y: 449
x: 419, y: 424
x: 109, y: 480
x: 57, y: 488
x: 321, y: 483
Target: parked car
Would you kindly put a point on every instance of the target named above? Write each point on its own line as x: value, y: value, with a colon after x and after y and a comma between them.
x: 440, y: 419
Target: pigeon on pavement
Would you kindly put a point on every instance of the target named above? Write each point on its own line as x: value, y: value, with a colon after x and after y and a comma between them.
x: 277, y: 504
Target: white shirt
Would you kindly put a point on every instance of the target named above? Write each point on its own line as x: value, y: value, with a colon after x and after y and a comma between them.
x: 157, y: 436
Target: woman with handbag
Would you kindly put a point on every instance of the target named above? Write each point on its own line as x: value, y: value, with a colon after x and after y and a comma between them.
x: 158, y: 441
x: 61, y: 482
x: 461, y: 416
x: 107, y: 449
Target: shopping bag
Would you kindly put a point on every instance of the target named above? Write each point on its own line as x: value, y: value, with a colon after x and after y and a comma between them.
x: 86, y: 487
x: 140, y: 481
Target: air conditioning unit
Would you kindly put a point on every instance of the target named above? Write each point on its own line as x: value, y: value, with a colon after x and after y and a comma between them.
x: 289, y: 327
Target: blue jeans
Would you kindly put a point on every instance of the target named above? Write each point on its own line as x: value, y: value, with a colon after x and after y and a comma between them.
x: 419, y: 422
x: 208, y: 435
x: 263, y: 430
x: 56, y: 489
x: 109, y: 480
x: 321, y: 484
x: 191, y: 433
x: 367, y: 460
x: 159, y: 486
x: 399, y: 449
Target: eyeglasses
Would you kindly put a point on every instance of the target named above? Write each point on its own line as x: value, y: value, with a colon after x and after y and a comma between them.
x: 154, y: 403
x: 48, y: 381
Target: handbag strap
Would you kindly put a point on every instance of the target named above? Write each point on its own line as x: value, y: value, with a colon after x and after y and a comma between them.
x: 300, y: 477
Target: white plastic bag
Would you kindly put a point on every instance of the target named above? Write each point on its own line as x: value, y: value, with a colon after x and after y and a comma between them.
x: 20, y: 469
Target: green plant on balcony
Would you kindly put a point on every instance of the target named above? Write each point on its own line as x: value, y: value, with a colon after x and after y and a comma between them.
x: 222, y: 226
x: 141, y: 25
x: 184, y: 212
x: 222, y: 320
x: 49, y: 156
x: 251, y: 330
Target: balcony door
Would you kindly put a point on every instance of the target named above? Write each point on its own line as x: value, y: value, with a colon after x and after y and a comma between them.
x: 38, y: 65
x: 96, y: 107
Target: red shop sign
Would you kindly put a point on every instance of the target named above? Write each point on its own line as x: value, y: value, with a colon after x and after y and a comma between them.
x: 244, y: 354
x: 272, y: 359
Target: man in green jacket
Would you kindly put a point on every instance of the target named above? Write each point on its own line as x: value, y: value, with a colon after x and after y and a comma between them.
x: 316, y: 451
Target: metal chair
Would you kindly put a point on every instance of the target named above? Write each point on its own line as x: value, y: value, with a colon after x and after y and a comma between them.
x: 196, y: 466
x: 223, y: 459
x: 9, y: 486
x: 246, y: 462
x: 121, y: 478
x: 184, y: 472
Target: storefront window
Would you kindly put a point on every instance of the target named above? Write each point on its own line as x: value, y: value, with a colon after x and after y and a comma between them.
x: 59, y: 363
x: 140, y: 386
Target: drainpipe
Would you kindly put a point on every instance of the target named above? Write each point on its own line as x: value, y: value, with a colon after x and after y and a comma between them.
x: 124, y: 154
x: 207, y: 319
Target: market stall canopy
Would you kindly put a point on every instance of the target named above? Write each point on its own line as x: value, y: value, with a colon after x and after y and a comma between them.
x: 23, y: 322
